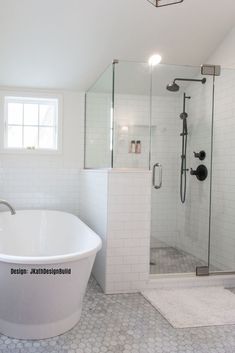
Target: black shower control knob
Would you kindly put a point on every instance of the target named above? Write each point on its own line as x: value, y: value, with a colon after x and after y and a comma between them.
x: 201, y: 172
x: 201, y: 155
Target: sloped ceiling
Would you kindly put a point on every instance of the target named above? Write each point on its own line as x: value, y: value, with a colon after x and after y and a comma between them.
x: 67, y: 43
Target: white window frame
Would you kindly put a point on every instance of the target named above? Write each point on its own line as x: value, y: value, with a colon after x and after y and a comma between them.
x: 34, y: 97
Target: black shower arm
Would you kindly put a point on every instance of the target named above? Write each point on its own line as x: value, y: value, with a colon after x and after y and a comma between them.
x: 190, y: 80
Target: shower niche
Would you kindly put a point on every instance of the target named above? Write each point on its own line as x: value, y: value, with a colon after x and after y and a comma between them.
x: 169, y: 110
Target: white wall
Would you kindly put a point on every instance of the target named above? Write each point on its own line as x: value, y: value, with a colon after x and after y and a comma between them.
x: 48, y: 181
x: 93, y: 211
x: 224, y: 54
x: 129, y: 215
x: 116, y: 204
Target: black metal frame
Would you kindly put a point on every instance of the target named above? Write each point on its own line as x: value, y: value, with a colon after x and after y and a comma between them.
x: 156, y: 3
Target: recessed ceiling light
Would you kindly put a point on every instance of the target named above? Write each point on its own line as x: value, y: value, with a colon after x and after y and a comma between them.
x: 155, y: 60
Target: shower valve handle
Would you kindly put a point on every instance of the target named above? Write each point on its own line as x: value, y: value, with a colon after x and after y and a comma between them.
x: 201, y: 155
x: 201, y: 172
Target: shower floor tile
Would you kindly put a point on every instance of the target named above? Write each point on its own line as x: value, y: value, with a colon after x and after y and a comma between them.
x: 171, y: 260
x: 126, y: 323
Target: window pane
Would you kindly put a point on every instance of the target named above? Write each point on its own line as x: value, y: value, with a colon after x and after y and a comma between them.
x: 31, y: 122
x: 46, y: 114
x: 30, y: 114
x: 14, y: 137
x: 30, y: 137
x: 47, y: 137
x: 15, y: 113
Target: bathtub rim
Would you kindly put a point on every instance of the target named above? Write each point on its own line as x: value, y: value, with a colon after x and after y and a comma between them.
x: 56, y: 259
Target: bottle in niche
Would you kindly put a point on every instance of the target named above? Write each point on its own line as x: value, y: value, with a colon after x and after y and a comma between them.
x: 132, y: 146
x: 138, y: 147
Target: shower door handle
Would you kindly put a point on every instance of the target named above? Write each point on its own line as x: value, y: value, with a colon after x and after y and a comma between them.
x: 159, y: 185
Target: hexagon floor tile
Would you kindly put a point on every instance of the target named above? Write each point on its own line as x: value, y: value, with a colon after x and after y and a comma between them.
x: 126, y: 323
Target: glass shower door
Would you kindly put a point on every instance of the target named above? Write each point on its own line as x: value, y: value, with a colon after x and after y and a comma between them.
x: 222, y: 235
x: 181, y: 120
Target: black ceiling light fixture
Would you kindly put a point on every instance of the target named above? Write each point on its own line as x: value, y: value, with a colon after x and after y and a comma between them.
x: 161, y: 3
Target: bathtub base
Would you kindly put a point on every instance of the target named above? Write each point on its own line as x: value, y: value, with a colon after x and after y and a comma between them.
x: 46, y: 259
x: 35, y: 332
x: 38, y: 307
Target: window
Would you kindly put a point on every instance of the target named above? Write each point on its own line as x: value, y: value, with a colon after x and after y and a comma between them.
x: 31, y: 123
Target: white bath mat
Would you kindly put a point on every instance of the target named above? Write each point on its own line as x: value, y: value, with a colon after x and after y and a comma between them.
x: 194, y: 307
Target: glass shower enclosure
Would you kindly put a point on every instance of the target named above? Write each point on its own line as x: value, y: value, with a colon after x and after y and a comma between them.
x: 116, y: 118
x: 167, y: 119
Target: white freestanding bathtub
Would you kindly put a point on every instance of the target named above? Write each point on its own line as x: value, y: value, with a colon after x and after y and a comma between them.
x: 46, y: 259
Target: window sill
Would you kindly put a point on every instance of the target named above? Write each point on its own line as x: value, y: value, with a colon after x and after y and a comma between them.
x: 30, y: 152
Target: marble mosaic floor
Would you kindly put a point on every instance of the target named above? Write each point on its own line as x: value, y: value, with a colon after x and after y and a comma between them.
x: 126, y: 323
x: 171, y: 260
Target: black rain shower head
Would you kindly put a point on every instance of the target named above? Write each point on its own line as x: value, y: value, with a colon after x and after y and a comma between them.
x: 173, y: 87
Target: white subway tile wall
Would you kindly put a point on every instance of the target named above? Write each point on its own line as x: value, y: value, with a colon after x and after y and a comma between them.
x: 93, y: 211
x: 117, y: 206
x: 193, y: 216
x: 166, y: 150
x: 132, y: 123
x: 48, y: 181
x: 128, y: 242
x: 98, y: 130
x: 40, y: 187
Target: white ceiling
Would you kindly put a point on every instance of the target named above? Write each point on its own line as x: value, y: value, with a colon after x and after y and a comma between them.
x: 68, y: 43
